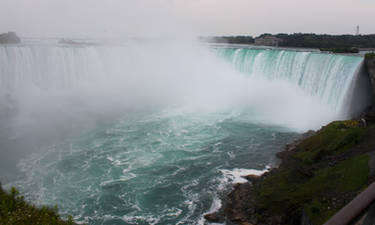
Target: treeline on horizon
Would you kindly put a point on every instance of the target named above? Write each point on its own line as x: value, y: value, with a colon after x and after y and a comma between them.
x: 305, y: 40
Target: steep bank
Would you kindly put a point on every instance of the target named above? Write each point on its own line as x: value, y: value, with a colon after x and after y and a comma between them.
x: 316, y: 178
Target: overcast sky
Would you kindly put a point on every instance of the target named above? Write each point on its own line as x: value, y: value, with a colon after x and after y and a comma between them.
x: 124, y: 18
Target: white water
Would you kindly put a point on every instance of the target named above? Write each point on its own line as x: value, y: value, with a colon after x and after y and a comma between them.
x: 325, y: 76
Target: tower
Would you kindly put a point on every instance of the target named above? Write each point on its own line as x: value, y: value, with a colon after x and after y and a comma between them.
x: 357, y: 30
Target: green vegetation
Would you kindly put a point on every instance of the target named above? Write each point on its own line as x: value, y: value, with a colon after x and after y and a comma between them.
x: 327, y: 41
x: 340, y: 50
x: 15, y: 210
x: 337, y: 137
x: 370, y: 55
x: 321, y: 175
x: 307, y: 40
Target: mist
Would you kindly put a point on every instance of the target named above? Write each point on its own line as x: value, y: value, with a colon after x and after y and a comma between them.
x: 104, y: 81
x: 51, y: 91
x: 53, y: 94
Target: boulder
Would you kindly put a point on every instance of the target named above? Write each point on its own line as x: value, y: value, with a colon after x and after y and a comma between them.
x: 252, y: 178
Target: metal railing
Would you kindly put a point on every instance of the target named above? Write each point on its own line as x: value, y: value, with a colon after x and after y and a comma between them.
x: 354, y: 209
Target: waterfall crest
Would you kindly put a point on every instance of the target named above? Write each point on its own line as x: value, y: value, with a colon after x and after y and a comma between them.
x: 327, y: 76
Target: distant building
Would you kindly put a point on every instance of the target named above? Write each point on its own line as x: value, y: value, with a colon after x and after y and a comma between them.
x: 268, y: 41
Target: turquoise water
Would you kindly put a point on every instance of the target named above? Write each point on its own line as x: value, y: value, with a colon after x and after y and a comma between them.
x: 145, y: 134
x: 160, y: 168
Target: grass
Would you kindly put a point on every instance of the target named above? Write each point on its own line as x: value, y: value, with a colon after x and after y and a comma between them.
x: 319, y: 178
x: 337, y: 137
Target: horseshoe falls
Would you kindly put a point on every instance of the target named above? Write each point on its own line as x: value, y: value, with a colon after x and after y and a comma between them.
x: 155, y: 133
x: 326, y: 76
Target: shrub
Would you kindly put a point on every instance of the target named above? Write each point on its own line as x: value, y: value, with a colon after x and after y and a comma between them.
x: 15, y: 210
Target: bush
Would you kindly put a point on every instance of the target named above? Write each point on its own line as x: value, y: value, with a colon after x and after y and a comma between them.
x: 15, y: 210
x: 370, y: 55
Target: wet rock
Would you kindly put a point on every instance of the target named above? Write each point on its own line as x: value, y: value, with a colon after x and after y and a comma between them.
x: 214, y: 217
x: 252, y: 178
x: 238, y: 203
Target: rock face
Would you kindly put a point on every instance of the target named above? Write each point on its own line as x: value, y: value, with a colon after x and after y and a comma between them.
x: 9, y: 38
x: 214, y: 217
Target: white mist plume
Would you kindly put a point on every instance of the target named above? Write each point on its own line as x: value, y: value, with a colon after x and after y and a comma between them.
x: 105, y: 80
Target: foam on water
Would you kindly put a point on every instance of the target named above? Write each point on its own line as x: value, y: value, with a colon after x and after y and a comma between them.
x: 237, y: 175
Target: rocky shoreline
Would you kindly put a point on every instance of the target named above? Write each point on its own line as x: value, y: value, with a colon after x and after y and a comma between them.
x: 318, y: 175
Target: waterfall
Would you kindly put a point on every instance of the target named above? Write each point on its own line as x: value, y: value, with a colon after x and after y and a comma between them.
x: 57, y: 78
x: 326, y: 76
x: 47, y: 67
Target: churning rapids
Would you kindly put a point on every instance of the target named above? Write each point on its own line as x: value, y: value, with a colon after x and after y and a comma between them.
x: 154, y: 132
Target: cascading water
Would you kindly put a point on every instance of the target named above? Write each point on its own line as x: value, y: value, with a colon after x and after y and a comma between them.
x: 153, y: 134
x: 327, y: 76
